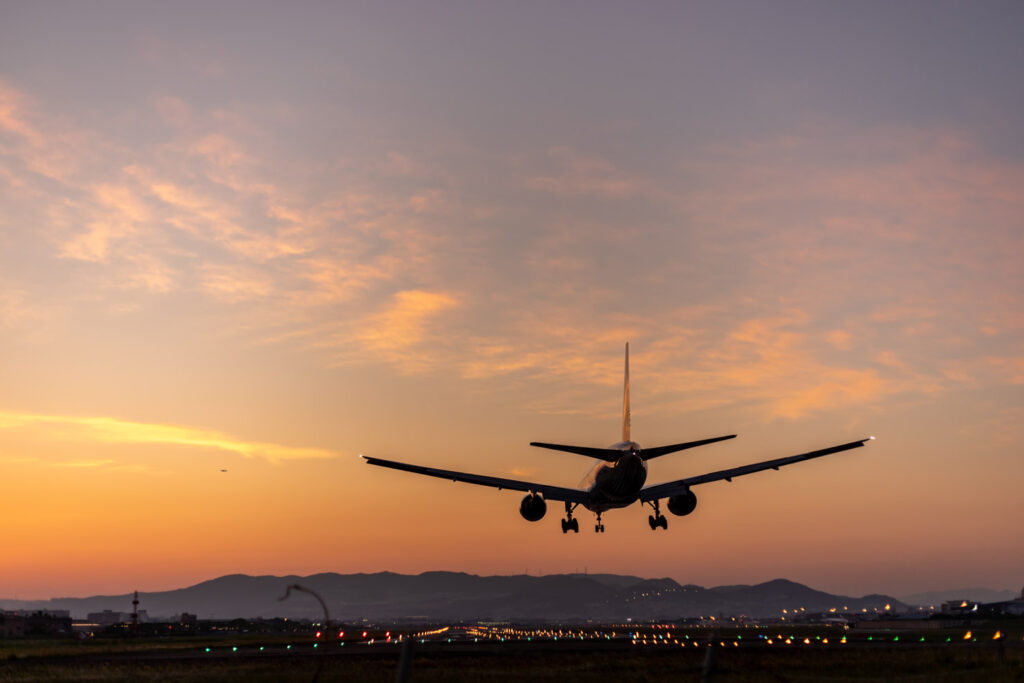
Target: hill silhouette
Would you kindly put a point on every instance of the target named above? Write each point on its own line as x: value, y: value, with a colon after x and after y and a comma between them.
x: 441, y: 596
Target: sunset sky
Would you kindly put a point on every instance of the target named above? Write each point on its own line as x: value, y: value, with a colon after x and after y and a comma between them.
x: 267, y: 238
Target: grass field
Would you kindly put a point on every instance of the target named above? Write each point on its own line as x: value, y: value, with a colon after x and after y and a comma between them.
x: 255, y: 658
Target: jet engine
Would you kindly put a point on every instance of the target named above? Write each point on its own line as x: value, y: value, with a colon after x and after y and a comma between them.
x: 533, y: 507
x: 683, y: 504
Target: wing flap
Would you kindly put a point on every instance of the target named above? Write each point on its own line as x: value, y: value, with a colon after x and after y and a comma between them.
x: 672, y: 488
x: 549, y: 492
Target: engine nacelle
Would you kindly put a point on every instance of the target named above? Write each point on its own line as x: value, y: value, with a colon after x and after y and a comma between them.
x: 533, y: 508
x: 683, y: 504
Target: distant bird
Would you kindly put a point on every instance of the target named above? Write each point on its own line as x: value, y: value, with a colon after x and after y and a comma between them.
x: 223, y: 470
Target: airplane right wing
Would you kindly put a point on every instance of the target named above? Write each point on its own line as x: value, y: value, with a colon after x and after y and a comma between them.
x: 672, y: 488
x: 549, y: 492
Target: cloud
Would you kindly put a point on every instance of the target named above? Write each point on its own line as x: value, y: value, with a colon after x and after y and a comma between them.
x: 404, y: 323
x: 113, y: 430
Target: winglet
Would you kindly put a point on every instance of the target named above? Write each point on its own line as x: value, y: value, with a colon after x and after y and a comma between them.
x: 625, y: 402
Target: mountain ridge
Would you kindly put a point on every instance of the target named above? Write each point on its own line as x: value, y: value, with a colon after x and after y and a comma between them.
x: 443, y: 595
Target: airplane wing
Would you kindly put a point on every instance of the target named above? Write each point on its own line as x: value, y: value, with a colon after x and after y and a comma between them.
x: 549, y: 492
x: 672, y: 488
x: 658, y: 451
x: 609, y: 454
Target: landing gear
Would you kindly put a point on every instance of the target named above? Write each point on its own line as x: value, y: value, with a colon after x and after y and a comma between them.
x: 570, y: 523
x: 657, y: 519
x: 599, y: 528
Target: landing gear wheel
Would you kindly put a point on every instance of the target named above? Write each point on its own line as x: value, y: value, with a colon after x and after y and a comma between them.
x: 599, y: 528
x: 569, y: 522
x: 657, y: 519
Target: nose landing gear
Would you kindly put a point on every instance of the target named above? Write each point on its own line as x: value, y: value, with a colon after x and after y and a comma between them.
x: 657, y: 519
x: 599, y: 528
x: 570, y: 523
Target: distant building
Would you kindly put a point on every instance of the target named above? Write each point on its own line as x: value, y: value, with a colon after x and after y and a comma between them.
x: 35, y: 623
x: 960, y: 607
x: 110, y: 618
x: 12, y: 625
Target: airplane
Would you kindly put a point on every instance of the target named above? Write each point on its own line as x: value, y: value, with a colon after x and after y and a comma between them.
x: 617, y: 480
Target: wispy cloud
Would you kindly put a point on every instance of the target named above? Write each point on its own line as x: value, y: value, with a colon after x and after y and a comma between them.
x: 113, y: 430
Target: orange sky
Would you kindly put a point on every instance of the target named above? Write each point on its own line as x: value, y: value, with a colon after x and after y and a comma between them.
x: 269, y: 243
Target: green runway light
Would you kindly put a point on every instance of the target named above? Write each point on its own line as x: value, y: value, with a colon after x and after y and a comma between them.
x: 234, y: 649
x: 207, y: 649
x: 895, y: 639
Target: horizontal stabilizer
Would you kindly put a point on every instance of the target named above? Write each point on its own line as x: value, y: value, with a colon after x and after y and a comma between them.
x: 609, y: 454
x: 657, y: 451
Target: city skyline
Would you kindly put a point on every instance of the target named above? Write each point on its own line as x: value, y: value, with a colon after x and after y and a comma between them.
x: 241, y: 245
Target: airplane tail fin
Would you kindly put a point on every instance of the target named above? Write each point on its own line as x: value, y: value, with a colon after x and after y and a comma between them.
x: 625, y: 401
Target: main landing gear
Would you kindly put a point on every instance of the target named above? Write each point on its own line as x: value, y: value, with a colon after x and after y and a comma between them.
x: 570, y: 523
x: 657, y: 519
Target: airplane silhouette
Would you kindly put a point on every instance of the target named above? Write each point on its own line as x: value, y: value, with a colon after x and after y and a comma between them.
x: 618, y: 479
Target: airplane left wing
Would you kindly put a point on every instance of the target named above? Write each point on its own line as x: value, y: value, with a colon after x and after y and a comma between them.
x: 549, y: 492
x: 672, y: 488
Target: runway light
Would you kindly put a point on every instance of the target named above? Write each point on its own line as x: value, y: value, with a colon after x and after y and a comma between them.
x: 998, y: 635
x: 967, y: 636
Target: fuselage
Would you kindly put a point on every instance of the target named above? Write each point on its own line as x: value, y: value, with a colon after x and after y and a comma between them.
x: 616, y: 484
